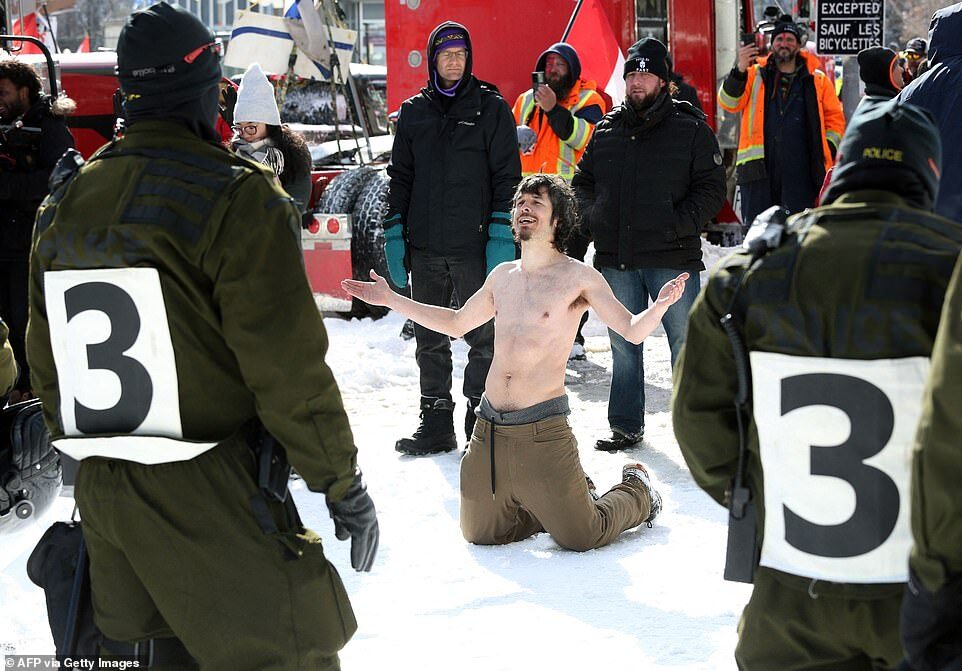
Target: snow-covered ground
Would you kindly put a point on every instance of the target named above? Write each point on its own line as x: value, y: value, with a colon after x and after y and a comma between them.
x: 654, y: 599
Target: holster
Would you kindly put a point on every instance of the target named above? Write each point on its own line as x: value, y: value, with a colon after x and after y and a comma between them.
x: 741, y: 555
x: 273, y: 468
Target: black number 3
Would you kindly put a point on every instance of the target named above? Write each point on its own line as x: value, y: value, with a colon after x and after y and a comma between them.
x: 876, y: 494
x: 136, y: 388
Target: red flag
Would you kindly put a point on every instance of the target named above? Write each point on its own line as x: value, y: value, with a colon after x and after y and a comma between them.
x: 590, y: 33
x: 84, y: 47
x: 34, y: 25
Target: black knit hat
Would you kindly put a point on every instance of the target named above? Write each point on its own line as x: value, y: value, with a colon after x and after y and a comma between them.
x: 168, y: 65
x: 785, y: 24
x: 875, y: 69
x: 648, y: 55
x: 892, y: 146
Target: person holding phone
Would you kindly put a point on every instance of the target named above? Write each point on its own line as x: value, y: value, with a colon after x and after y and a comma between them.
x: 791, y: 122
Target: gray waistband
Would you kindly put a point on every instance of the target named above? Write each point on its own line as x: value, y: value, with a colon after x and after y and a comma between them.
x: 550, y: 408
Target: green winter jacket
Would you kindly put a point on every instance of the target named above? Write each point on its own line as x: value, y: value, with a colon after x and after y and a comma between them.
x: 937, y: 461
x: 8, y: 365
x: 861, y: 279
x: 246, y: 336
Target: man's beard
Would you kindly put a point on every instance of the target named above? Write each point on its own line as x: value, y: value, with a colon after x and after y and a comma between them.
x: 640, y: 105
x: 561, y: 86
x: 781, y: 57
x: 522, y: 235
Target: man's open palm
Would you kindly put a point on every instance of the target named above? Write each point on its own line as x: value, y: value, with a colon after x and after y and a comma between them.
x: 374, y: 293
x: 672, y: 290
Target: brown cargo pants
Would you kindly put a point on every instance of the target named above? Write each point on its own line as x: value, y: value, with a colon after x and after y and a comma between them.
x: 176, y: 551
x: 519, y: 480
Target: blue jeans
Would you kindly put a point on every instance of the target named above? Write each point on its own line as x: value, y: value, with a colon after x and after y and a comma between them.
x: 626, y: 398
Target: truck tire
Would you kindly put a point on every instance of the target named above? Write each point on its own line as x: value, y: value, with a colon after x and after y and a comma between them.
x: 367, y: 239
x: 341, y: 194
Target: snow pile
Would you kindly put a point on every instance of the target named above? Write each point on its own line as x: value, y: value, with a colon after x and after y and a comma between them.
x: 654, y: 599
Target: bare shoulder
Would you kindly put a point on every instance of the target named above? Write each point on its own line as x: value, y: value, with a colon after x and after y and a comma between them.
x: 501, y: 275
x: 584, y: 275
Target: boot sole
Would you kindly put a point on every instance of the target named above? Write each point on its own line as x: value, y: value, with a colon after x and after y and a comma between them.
x: 434, y: 449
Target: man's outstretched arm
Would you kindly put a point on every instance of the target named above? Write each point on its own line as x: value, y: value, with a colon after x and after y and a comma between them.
x: 633, y: 328
x: 478, y: 309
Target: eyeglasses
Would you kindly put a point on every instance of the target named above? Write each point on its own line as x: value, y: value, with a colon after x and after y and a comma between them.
x: 247, y: 129
x: 912, y: 56
x: 453, y: 55
x: 216, y: 47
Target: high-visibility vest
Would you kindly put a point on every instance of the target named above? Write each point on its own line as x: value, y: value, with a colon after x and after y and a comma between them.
x: 751, y: 105
x: 552, y: 154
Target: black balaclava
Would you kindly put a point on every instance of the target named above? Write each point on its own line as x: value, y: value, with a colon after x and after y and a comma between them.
x: 892, y: 147
x: 447, y: 34
x: 156, y: 80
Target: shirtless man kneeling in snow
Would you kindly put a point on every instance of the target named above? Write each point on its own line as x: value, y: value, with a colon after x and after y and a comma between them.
x: 521, y: 473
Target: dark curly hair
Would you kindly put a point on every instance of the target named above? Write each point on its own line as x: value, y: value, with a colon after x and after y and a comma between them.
x: 22, y: 75
x: 564, y: 208
x: 297, y: 157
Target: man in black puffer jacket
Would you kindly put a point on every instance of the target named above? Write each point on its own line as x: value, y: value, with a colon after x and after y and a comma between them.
x: 453, y: 171
x: 648, y: 182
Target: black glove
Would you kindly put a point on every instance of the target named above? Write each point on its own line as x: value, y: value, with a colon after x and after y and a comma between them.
x: 355, y: 518
x: 932, y: 625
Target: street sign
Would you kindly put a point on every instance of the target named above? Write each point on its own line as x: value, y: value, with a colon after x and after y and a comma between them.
x: 845, y: 27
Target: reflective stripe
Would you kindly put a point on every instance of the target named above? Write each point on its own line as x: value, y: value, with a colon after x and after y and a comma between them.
x: 527, y: 108
x: 833, y: 137
x: 581, y: 130
x: 142, y: 449
x: 750, y: 153
x: 753, y: 101
x: 727, y: 101
x: 566, y: 160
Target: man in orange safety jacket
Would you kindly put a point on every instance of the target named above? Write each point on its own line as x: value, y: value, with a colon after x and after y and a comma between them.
x: 791, y: 123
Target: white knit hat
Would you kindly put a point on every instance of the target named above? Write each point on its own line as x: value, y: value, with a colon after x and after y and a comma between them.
x: 255, y: 99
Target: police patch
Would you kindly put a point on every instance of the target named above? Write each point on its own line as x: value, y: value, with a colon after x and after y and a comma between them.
x: 717, y: 158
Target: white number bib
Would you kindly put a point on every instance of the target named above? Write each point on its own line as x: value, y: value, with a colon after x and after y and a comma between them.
x: 115, y: 364
x: 835, y: 437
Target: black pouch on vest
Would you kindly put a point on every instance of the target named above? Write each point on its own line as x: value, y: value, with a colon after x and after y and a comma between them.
x: 58, y: 565
x: 742, y: 553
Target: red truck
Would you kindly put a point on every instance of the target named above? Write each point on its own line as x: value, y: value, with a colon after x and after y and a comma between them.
x: 507, y: 36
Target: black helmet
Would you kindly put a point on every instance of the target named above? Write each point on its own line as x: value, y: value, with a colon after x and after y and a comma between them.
x: 30, y: 472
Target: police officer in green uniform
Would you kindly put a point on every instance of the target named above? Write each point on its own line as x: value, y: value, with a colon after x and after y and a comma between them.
x: 8, y: 365
x: 171, y: 318
x: 838, y: 322
x: 932, y: 606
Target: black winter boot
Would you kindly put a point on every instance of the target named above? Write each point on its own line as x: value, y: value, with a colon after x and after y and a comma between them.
x: 471, y: 417
x: 436, y: 432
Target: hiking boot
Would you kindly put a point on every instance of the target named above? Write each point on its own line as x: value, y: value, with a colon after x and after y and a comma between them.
x: 620, y: 441
x: 471, y: 417
x: 592, y: 489
x: 637, y: 473
x: 436, y: 432
x: 577, y: 352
